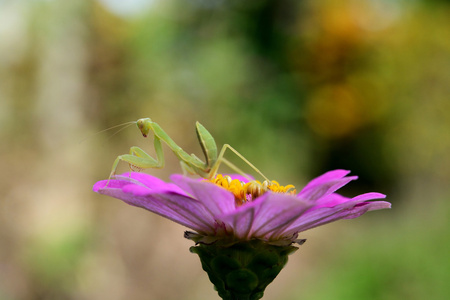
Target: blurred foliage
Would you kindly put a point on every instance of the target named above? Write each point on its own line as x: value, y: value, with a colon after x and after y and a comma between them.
x: 298, y: 87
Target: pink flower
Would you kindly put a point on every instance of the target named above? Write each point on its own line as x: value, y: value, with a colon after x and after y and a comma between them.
x: 214, y: 212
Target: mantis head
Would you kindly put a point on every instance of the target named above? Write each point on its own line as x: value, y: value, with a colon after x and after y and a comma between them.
x: 144, y: 126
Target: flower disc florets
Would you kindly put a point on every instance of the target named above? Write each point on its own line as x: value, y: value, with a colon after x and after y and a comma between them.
x: 247, y: 191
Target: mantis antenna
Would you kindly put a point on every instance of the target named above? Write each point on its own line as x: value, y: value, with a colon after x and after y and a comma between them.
x: 125, y: 125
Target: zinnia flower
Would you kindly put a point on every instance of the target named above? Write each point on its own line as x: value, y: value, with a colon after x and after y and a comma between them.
x: 245, y: 229
x: 214, y: 211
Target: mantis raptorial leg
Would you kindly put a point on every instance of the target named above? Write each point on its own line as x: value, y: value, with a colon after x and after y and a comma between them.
x: 138, y: 158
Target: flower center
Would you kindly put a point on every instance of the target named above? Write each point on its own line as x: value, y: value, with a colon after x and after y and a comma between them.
x: 244, y: 192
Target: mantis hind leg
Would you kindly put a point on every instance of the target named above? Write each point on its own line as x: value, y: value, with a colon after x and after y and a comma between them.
x: 221, y: 159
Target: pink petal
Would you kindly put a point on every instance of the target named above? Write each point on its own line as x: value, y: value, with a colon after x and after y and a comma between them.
x: 331, y: 200
x: 151, y: 182
x: 353, y: 208
x: 215, y: 198
x: 111, y: 184
x: 328, y: 176
x: 365, y: 207
x: 325, y: 185
x: 242, y: 222
x: 268, y: 214
x: 276, y: 212
x: 369, y: 196
x: 178, y: 208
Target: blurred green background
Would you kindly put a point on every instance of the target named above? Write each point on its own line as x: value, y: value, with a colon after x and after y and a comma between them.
x: 298, y: 87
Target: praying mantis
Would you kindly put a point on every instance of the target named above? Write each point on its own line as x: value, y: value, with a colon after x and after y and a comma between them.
x: 190, y: 163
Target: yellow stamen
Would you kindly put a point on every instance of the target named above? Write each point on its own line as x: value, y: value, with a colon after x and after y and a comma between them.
x: 244, y: 192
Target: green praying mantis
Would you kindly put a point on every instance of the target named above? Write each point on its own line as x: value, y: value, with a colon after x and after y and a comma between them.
x: 190, y: 163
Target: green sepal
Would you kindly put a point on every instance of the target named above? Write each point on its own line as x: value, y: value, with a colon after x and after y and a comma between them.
x: 241, y: 270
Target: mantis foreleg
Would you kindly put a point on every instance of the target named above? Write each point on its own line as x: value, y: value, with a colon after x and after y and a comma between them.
x: 140, y: 159
x: 190, y: 161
